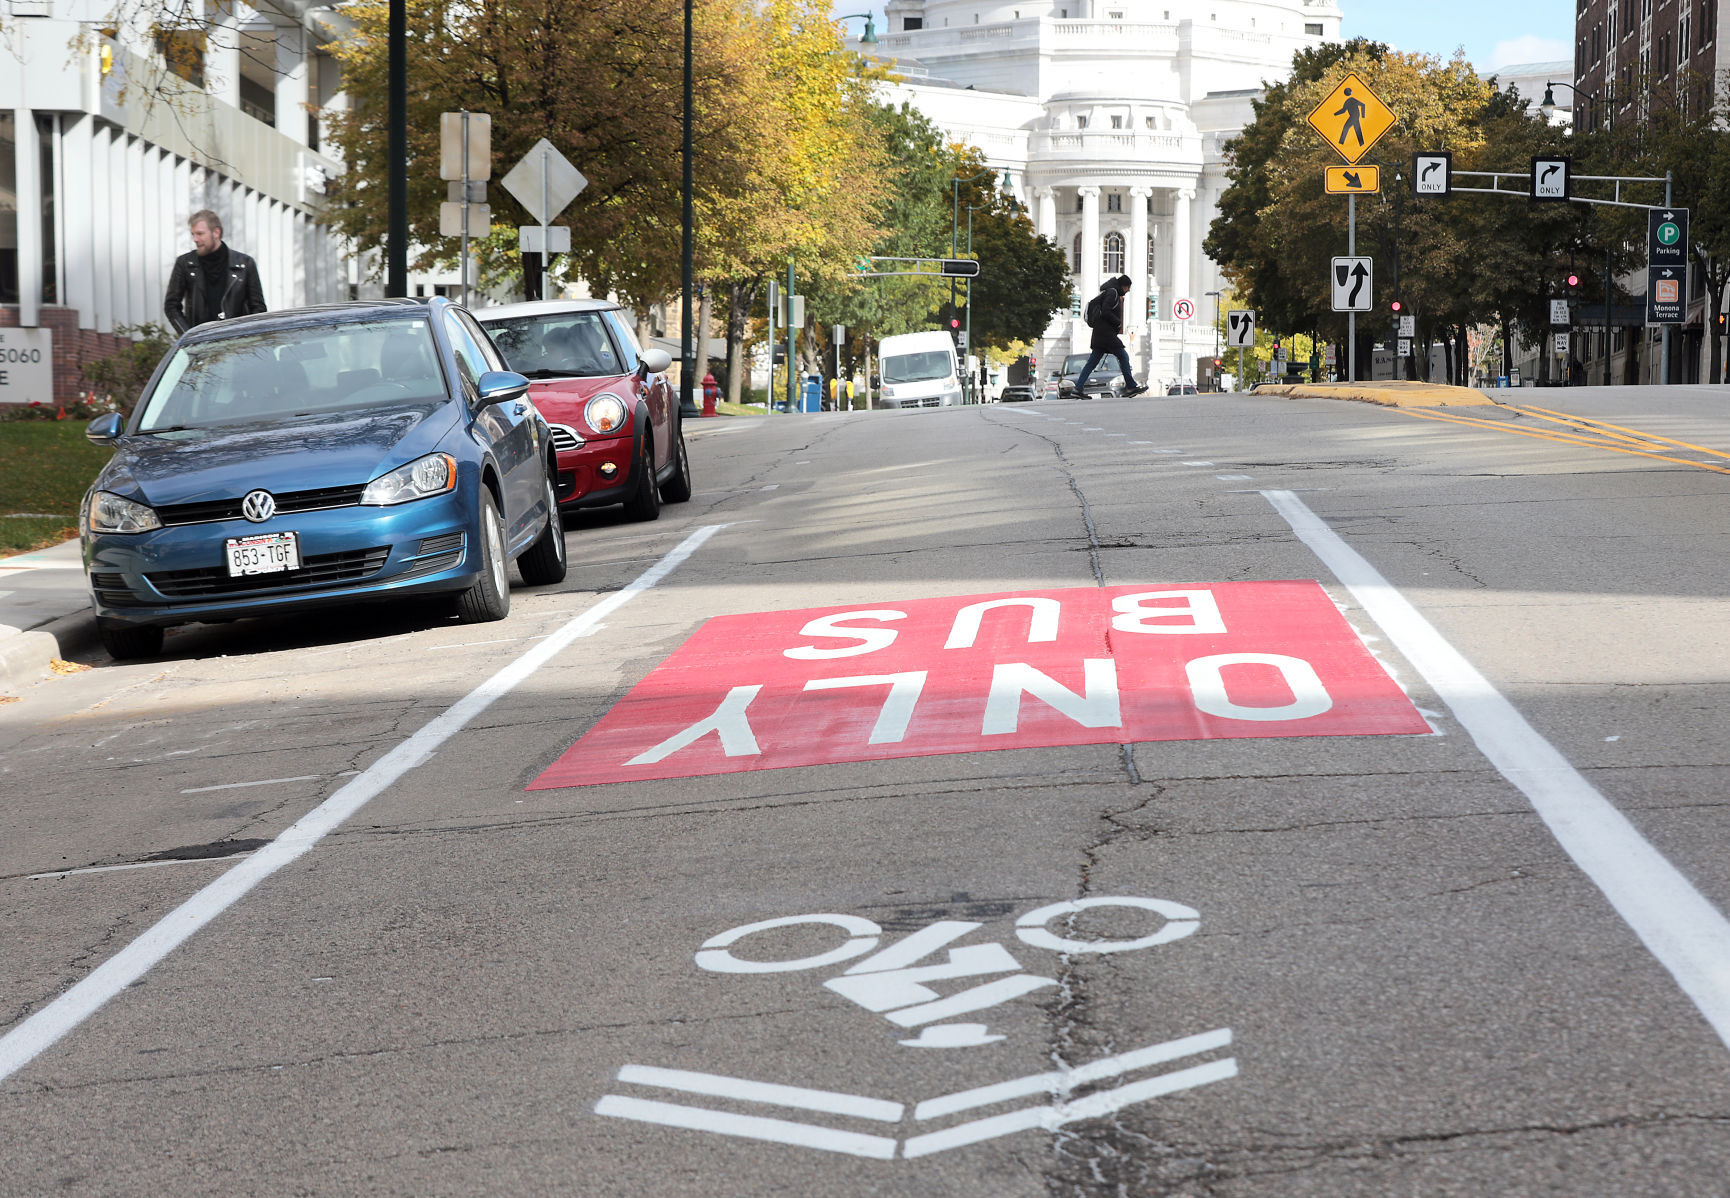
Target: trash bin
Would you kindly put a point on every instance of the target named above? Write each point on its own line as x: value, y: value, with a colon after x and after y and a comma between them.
x: 811, y: 394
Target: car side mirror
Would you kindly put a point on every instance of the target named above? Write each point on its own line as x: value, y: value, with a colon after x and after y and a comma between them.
x: 501, y: 386
x: 104, y: 429
x: 655, y: 361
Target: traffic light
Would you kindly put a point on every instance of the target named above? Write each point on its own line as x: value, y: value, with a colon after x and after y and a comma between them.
x: 954, y: 322
x: 1396, y: 306
x: 1573, y: 280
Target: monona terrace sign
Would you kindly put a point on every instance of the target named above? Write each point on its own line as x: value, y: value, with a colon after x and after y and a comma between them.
x: 1013, y: 671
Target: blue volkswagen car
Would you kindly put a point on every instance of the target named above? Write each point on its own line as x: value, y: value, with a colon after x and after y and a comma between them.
x: 318, y: 458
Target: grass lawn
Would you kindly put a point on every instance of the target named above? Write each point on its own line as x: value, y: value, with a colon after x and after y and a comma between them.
x: 45, y: 468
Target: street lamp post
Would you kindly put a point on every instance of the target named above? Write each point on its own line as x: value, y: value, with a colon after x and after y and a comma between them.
x: 687, y: 249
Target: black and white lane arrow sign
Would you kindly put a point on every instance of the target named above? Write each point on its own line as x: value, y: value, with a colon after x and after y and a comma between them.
x: 1353, y: 284
x: 1240, y: 328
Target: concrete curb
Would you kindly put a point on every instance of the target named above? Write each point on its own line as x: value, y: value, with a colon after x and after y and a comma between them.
x: 25, y: 656
x: 1388, y: 394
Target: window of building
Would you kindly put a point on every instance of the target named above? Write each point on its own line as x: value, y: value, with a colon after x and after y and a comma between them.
x: 1708, y: 20
x: 9, y: 204
x: 182, y: 52
x: 1081, y: 122
x: 1075, y: 255
x: 1080, y: 203
x: 1313, y: 28
x: 1114, y: 202
x: 257, y: 101
x: 909, y: 24
x: 1116, y: 122
x: 1150, y: 122
x: 976, y: 18
x: 1111, y: 255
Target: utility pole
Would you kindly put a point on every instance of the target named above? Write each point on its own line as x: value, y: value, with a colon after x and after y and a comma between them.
x: 688, y: 368
x: 396, y: 151
x: 792, y: 373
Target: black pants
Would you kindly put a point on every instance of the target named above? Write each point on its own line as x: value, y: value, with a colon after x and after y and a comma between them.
x: 1094, y: 358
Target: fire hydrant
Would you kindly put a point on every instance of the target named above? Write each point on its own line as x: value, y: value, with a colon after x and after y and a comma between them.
x: 711, y: 393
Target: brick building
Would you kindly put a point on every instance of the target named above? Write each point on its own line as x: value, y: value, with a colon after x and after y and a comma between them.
x: 1623, y: 50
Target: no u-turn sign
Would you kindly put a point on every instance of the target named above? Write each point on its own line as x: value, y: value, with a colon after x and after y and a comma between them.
x: 1028, y: 669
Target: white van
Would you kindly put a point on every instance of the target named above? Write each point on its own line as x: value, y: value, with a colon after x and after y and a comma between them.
x: 918, y: 371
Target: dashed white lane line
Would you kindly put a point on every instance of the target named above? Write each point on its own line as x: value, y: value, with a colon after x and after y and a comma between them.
x: 1687, y: 934
x: 1232, y: 478
x: 25, y: 1042
x: 1197, y: 463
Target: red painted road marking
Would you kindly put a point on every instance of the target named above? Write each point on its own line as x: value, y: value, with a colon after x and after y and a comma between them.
x: 971, y: 673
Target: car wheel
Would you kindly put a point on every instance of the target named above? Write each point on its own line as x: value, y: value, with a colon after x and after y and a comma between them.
x: 490, y: 597
x: 645, y: 500
x: 127, y: 641
x: 678, y: 488
x: 543, y: 563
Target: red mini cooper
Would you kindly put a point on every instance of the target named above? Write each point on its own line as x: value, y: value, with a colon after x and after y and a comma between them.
x: 614, y: 417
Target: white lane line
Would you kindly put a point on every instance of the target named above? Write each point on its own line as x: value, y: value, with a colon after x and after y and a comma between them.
x: 1141, y: 442
x: 1195, y: 463
x: 1053, y: 1117
x: 23, y: 1043
x: 1060, y: 1082
x: 108, y: 869
x: 770, y: 487
x: 750, y: 1127
x: 1688, y: 936
x: 721, y: 1086
x: 1232, y: 478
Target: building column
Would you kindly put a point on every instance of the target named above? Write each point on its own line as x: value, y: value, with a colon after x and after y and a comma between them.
x: 292, y: 70
x: 27, y: 165
x: 222, y: 55
x: 1135, y: 255
x: 1046, y: 212
x: 1182, y: 252
x: 1089, y: 242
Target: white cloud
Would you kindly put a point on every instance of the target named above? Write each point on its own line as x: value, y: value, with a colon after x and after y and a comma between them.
x: 1529, y: 48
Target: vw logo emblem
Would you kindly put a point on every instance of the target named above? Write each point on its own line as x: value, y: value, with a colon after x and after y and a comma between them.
x: 258, y: 506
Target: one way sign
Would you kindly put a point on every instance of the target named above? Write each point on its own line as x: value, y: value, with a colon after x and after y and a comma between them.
x: 1354, y: 284
x: 1240, y: 328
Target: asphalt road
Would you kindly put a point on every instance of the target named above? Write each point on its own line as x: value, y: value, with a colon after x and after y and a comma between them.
x: 1440, y: 916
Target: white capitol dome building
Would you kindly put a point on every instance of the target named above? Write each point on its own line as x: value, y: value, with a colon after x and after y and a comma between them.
x: 1106, y: 119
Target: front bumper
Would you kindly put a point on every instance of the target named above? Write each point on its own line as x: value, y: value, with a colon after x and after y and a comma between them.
x: 178, y: 575
x: 582, y: 483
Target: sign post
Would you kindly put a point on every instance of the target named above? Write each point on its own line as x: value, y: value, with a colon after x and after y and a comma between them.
x: 465, y: 158
x: 544, y: 182
x: 1351, y: 119
x: 1666, y: 273
x: 1240, y: 335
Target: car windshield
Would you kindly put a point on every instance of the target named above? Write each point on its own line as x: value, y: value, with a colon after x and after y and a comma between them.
x: 563, y: 345
x: 263, y: 377
x: 1105, y: 372
x: 919, y: 367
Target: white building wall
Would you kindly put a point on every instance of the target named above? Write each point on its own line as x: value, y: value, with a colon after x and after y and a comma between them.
x: 1129, y: 99
x: 137, y: 151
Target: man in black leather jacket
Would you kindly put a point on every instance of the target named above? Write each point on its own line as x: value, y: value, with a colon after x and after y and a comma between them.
x: 213, y: 282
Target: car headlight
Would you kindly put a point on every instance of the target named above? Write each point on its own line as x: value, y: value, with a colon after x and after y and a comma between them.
x: 605, y: 413
x: 432, y: 475
x: 116, y: 513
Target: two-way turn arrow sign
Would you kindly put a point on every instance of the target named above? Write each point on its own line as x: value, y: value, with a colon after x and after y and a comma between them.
x: 1354, y: 284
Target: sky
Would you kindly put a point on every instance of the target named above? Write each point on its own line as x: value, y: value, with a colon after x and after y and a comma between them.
x: 1495, y: 33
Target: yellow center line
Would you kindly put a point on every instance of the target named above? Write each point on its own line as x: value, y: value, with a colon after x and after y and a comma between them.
x: 1649, y: 437
x: 1565, y: 439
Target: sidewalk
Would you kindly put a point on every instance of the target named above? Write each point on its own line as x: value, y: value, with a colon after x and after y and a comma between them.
x: 44, y: 613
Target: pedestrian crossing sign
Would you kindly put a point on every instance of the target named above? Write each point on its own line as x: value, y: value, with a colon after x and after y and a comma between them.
x: 1352, y: 119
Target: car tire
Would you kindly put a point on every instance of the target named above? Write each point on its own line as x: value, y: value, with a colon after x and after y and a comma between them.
x: 543, y: 563
x: 490, y: 597
x: 645, y: 500
x: 125, y: 642
x: 678, y: 488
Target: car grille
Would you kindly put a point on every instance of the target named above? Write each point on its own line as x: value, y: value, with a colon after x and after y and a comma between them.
x: 287, y: 502
x: 565, y: 438
x: 317, y: 570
